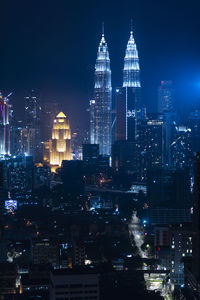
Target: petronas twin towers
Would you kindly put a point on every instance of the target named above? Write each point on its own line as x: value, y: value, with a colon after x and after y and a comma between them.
x: 101, y: 106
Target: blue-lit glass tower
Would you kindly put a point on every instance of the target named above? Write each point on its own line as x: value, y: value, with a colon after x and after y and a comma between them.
x: 128, y: 97
x: 100, y: 117
x: 131, y: 72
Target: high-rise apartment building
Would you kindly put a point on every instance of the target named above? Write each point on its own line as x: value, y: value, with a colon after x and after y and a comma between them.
x: 165, y: 96
x: 101, y: 106
x: 4, y: 126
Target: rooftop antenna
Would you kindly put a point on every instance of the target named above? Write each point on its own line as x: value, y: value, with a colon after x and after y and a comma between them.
x: 131, y: 36
x: 9, y: 95
x: 103, y: 28
x: 131, y: 25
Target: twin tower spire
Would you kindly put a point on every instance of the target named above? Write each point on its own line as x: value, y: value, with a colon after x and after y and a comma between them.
x: 101, y: 106
x: 131, y: 71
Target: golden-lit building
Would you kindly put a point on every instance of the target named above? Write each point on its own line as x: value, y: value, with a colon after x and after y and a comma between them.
x: 59, y: 147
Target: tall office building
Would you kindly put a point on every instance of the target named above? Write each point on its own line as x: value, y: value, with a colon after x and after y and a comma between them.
x: 28, y: 141
x: 165, y: 189
x: 128, y: 97
x: 169, y: 133
x: 49, y: 112
x: 181, y: 249
x: 32, y: 109
x: 92, y: 121
x: 19, y: 174
x: 131, y: 72
x: 165, y: 96
x: 166, y: 107
x: 16, y: 146
x: 59, y: 147
x: 33, y: 124
x: 4, y: 126
x: 150, y: 140
x: 90, y: 152
x: 125, y: 158
x: 196, y: 223
x: 101, y: 106
x: 1, y: 184
x: 194, y: 125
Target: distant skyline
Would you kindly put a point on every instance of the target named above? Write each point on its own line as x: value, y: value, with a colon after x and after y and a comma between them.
x: 52, y: 46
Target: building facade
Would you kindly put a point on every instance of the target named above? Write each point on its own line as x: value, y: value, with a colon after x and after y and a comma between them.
x: 165, y: 96
x: 150, y: 143
x: 49, y: 112
x: 196, y: 223
x: 101, y: 106
x: 18, y: 173
x: 59, y: 147
x: 66, y: 284
x: 181, y: 247
x: 32, y: 129
x: 194, y: 125
x: 4, y: 127
x: 128, y: 97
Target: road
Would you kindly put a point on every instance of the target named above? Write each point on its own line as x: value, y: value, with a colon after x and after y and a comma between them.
x: 153, y: 281
x: 135, y: 230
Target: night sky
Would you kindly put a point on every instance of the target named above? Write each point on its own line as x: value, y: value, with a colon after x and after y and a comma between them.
x: 51, y: 46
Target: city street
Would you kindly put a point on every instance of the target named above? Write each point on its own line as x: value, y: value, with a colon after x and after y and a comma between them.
x: 153, y: 281
x: 135, y: 230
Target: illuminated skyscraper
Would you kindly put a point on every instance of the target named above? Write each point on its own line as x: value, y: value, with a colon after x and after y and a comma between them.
x: 92, y: 121
x: 59, y: 147
x: 4, y: 126
x: 49, y: 112
x: 33, y: 125
x: 27, y: 139
x: 128, y: 97
x: 32, y: 109
x: 101, y: 106
x: 131, y: 72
